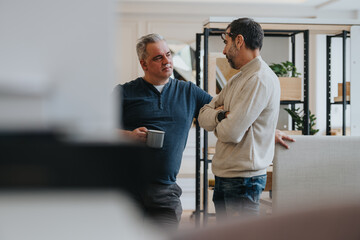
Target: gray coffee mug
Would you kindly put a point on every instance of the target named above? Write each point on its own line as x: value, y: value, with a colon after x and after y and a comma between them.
x: 155, y: 138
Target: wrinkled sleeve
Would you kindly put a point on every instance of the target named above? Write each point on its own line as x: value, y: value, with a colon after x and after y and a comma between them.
x: 247, y: 107
x: 208, y: 114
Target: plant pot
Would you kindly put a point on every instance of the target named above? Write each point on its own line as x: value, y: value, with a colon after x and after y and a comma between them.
x: 340, y: 89
x: 291, y: 88
x: 292, y: 132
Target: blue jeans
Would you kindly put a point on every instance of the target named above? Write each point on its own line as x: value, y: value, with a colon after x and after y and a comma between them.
x: 235, y: 197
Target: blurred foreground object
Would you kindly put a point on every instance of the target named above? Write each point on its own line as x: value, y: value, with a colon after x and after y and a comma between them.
x: 72, y: 215
x: 336, y: 223
x: 53, y: 189
x: 315, y: 172
x: 58, y: 67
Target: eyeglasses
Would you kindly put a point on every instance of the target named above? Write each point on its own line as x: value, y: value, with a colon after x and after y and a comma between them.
x: 223, y: 35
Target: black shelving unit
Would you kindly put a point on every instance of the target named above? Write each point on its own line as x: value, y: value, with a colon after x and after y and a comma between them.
x: 205, y: 161
x: 344, y: 35
x: 292, y: 34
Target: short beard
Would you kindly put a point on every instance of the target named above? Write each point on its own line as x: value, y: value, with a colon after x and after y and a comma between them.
x: 232, y: 53
x: 232, y: 64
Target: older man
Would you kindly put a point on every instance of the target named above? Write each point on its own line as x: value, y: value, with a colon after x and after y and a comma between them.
x: 157, y: 101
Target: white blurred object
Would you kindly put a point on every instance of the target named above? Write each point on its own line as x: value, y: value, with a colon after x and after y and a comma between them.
x: 57, y: 66
x: 78, y: 215
x: 182, y: 60
x: 317, y: 171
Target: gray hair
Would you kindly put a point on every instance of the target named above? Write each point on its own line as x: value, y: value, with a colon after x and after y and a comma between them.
x: 144, y: 41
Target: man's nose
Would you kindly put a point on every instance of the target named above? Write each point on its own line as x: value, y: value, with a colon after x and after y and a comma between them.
x: 166, y: 59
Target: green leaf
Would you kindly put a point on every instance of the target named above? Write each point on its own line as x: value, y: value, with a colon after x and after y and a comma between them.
x: 298, y: 118
x: 284, y: 69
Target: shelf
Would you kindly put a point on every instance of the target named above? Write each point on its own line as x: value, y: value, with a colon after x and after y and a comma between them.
x: 290, y: 102
x: 347, y: 102
x: 339, y: 100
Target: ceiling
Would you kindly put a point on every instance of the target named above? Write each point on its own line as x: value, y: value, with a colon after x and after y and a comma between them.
x: 335, y: 4
x: 318, y: 4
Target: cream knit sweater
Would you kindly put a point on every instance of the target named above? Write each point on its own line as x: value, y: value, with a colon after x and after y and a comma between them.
x: 245, y: 145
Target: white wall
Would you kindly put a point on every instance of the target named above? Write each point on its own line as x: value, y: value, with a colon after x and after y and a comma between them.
x: 133, y: 26
x: 180, y: 21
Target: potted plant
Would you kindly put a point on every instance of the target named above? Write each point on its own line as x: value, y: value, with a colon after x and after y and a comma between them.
x: 298, y: 117
x: 290, y: 83
x: 285, y: 69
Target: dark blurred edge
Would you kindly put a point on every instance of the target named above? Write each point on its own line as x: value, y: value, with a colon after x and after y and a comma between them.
x: 40, y: 161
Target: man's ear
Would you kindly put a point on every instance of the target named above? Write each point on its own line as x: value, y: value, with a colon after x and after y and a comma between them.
x: 239, y: 41
x: 143, y: 64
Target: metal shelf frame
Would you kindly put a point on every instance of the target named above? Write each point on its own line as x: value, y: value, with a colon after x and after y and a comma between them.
x: 344, y: 35
x: 204, y: 37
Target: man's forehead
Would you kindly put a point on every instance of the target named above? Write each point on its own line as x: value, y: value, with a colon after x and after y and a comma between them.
x: 160, y: 46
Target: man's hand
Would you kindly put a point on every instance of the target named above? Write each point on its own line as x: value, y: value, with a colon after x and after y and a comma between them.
x: 222, y: 108
x: 281, y: 136
x: 138, y: 134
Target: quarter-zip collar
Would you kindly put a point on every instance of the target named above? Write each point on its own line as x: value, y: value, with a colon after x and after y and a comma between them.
x: 151, y: 86
x: 250, y: 64
x: 160, y: 95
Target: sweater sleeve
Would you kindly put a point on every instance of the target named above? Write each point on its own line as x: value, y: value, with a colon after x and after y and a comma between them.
x: 247, y: 106
x: 208, y: 114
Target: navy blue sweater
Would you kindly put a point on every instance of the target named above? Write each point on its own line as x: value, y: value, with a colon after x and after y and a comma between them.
x: 172, y: 111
